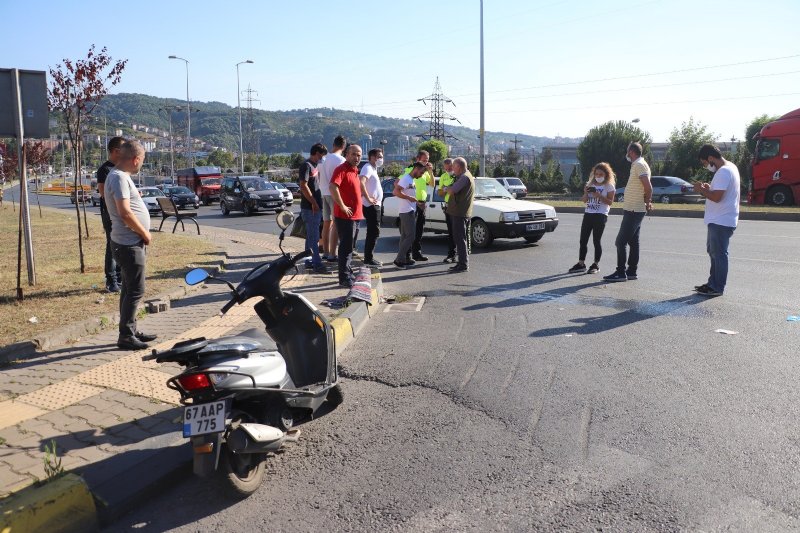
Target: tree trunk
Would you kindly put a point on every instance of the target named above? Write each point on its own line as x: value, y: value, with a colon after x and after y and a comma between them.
x: 76, y: 180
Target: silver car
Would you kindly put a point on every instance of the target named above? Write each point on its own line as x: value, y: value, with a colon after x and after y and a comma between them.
x: 288, y: 197
x: 668, y: 190
x: 150, y: 197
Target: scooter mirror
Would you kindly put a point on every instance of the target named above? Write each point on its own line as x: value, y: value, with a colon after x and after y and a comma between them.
x: 195, y: 276
x: 284, y: 219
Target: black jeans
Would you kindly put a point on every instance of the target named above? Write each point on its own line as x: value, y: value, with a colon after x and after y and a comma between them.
x: 371, y: 214
x: 345, y: 228
x: 629, y: 236
x: 110, y: 267
x: 132, y: 261
x: 459, y: 225
x: 416, y: 246
x: 451, y: 243
x: 593, y: 224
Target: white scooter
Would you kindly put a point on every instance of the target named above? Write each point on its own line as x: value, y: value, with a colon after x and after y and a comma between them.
x: 243, y: 394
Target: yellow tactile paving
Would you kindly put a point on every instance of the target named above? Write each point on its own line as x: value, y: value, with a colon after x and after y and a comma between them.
x: 131, y: 378
x: 59, y: 395
x: 13, y: 412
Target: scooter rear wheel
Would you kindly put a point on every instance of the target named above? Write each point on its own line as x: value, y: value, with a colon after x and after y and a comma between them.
x: 335, y: 395
x: 244, y: 472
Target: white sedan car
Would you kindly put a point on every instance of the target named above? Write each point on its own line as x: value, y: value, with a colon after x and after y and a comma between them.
x: 149, y: 197
x: 495, y: 214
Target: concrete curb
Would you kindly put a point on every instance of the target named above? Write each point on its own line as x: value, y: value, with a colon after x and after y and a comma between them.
x: 688, y: 213
x: 349, y: 324
x: 61, y: 337
x: 61, y: 505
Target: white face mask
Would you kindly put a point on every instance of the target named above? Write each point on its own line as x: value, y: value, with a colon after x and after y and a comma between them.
x: 599, y: 180
x: 628, y: 159
x: 711, y: 168
x: 379, y: 163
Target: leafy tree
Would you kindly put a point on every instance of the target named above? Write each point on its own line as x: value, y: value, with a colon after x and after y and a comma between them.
x: 436, y: 148
x: 511, y: 157
x: 76, y: 88
x: 547, y: 155
x: 608, y: 142
x: 576, y: 181
x: 684, y: 144
x: 296, y: 160
x: 221, y: 158
x: 394, y: 169
x: 474, y: 167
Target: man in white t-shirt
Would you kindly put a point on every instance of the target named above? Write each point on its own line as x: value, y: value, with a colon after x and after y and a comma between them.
x: 721, y: 217
x: 330, y: 238
x: 371, y: 197
x: 405, y: 191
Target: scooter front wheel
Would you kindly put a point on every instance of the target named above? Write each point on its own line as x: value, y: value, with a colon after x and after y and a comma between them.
x: 243, y: 472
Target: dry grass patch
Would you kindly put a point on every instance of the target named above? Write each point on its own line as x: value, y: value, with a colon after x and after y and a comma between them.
x: 62, y: 294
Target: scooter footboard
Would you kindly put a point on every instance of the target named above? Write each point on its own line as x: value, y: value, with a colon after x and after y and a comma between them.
x: 206, y: 450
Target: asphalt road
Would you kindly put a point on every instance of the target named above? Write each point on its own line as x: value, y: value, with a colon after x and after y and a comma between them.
x: 524, y: 398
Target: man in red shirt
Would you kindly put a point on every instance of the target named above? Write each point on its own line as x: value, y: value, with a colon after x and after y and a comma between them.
x: 346, y: 193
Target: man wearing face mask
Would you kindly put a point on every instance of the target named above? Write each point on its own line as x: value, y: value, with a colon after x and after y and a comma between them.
x: 721, y: 215
x: 637, y: 203
x: 371, y: 197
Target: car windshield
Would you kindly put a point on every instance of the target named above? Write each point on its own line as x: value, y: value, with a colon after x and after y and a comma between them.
x: 211, y: 181
x: 150, y: 193
x: 487, y: 188
x: 258, y: 185
x: 179, y: 190
x: 280, y: 186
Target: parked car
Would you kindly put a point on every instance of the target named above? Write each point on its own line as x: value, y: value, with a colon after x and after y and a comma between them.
x: 182, y: 196
x: 79, y: 195
x: 249, y: 194
x: 150, y: 197
x: 288, y: 198
x: 514, y: 185
x: 295, y: 188
x: 496, y: 214
x: 668, y: 190
x: 96, y: 198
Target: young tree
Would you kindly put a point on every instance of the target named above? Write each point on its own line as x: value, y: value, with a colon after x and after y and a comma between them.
x: 437, y: 150
x: 608, y: 142
x: 684, y: 144
x: 576, y: 181
x: 76, y: 87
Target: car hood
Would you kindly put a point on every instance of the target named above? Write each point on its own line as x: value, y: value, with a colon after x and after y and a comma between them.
x: 187, y: 196
x: 266, y: 195
x: 502, y: 204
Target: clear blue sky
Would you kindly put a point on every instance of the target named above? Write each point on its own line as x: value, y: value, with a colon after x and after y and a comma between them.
x: 721, y: 62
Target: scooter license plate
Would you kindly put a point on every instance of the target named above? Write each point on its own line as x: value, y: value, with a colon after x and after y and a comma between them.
x: 204, y: 418
x: 535, y: 227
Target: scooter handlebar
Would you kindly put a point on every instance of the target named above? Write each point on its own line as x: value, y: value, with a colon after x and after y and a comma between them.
x: 228, y: 306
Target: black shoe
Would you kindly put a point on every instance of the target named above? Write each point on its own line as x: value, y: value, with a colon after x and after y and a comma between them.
x: 708, y: 291
x: 616, y: 276
x: 113, y: 287
x: 458, y: 268
x: 631, y: 275
x: 419, y: 257
x: 145, y: 337
x: 410, y: 262
x: 346, y: 283
x: 321, y: 269
x: 373, y: 263
x: 449, y: 259
x: 593, y: 269
x: 333, y: 259
x: 398, y: 264
x: 578, y: 267
x: 699, y: 287
x: 131, y: 343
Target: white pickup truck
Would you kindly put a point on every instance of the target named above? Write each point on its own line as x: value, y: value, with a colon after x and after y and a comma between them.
x: 495, y: 214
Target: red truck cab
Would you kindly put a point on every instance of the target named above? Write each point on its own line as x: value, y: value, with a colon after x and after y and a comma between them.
x: 204, y: 181
x: 775, y: 169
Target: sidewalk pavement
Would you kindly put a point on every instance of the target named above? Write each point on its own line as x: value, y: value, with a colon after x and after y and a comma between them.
x: 109, y: 414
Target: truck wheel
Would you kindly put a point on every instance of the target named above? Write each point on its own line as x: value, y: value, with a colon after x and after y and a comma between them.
x: 224, y: 209
x: 481, y: 234
x: 780, y: 196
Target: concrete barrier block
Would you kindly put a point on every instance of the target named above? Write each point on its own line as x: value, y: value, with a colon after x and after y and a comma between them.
x: 63, y: 505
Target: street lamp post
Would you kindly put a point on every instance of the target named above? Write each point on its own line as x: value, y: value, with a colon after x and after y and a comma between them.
x: 239, y: 105
x: 483, y: 129
x: 189, y: 156
x: 169, y: 109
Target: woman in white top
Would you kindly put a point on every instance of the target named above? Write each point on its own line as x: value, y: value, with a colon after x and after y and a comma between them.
x: 598, y: 194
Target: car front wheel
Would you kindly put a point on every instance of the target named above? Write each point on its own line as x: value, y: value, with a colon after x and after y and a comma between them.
x: 481, y: 234
x: 224, y: 208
